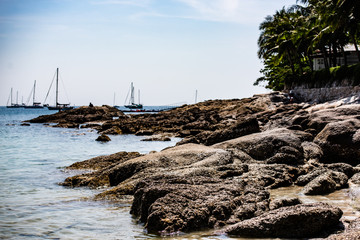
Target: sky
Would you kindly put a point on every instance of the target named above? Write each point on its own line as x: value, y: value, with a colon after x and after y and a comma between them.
x: 169, y: 49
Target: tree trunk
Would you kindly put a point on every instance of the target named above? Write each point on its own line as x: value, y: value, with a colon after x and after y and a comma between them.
x: 344, y: 55
x: 356, y: 46
x: 326, y: 63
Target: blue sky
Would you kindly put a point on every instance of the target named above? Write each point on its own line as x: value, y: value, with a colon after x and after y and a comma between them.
x: 168, y: 48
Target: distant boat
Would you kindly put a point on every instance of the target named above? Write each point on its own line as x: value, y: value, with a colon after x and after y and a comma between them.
x: 13, y: 105
x: 131, y: 104
x: 35, y: 104
x: 58, y: 106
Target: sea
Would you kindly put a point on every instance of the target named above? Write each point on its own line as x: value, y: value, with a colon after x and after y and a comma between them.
x: 34, y: 206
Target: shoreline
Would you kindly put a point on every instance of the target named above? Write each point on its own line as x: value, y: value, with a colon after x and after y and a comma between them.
x: 244, y: 147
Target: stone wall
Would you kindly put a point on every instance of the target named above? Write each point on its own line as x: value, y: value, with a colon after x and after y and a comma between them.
x: 319, y: 95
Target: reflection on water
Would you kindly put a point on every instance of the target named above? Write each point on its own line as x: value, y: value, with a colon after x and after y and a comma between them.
x: 345, y: 199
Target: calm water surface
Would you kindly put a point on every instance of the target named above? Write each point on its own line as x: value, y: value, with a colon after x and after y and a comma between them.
x: 34, y: 206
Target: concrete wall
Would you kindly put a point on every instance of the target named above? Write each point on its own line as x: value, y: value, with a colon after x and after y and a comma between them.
x: 319, y: 95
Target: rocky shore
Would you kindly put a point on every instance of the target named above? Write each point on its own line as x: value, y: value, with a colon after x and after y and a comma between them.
x: 232, y: 154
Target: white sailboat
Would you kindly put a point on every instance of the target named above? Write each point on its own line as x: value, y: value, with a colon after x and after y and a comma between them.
x: 131, y: 104
x: 35, y: 104
x: 58, y: 106
x: 13, y: 105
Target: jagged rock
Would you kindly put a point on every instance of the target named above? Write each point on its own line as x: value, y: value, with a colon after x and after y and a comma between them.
x: 352, y: 232
x: 284, y: 202
x: 326, y: 183
x: 299, y: 221
x: 103, y: 138
x: 168, y: 205
x: 355, y: 178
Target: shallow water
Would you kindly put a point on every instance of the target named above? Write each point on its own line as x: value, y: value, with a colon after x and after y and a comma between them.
x: 34, y: 206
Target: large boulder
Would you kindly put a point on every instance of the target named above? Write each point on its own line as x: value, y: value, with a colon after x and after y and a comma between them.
x: 171, y: 204
x: 299, y: 221
x: 273, y: 146
x: 340, y: 141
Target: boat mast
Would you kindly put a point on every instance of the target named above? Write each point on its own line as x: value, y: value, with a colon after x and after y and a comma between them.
x: 132, y: 101
x: 11, y: 96
x: 57, y: 86
x: 17, y: 93
x: 196, y: 92
x: 34, y: 92
x: 139, y: 95
x: 114, y: 100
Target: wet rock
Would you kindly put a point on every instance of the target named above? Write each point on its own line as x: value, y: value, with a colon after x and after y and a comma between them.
x: 25, y: 124
x: 339, y: 140
x: 103, y: 138
x: 299, y: 221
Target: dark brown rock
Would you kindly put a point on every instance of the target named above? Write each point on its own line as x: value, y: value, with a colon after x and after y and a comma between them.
x: 340, y: 141
x: 168, y: 205
x: 103, y: 138
x: 80, y: 115
x: 299, y: 221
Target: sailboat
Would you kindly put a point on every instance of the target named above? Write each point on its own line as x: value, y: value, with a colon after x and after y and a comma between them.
x: 13, y: 105
x: 131, y: 104
x: 58, y: 106
x: 35, y: 104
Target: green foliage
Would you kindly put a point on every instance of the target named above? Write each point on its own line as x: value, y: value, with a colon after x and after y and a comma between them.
x: 333, y: 77
x: 290, y: 38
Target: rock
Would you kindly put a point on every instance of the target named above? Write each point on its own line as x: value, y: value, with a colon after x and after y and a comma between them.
x: 103, y: 138
x: 238, y: 129
x: 115, y: 130
x: 144, y: 133
x: 339, y: 141
x: 272, y: 146
x: 284, y: 202
x: 352, y: 232
x: 25, y: 124
x: 342, y: 167
x: 80, y: 115
x: 355, y: 178
x: 312, y: 151
x: 299, y: 221
x: 102, y: 162
x: 171, y: 204
x: 326, y: 183
x: 157, y: 138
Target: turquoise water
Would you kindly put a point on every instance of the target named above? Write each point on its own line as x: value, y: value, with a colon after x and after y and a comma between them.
x: 34, y: 206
